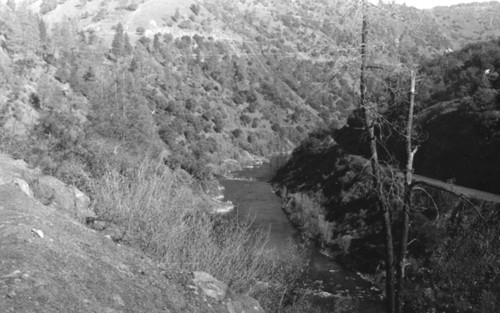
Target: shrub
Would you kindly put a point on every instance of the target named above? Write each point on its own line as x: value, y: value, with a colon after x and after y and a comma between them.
x: 255, y: 123
x: 245, y: 119
x: 251, y: 138
x: 100, y: 15
x: 47, y: 6
x: 195, y: 8
x: 252, y: 107
x: 237, y: 133
x: 219, y: 123
x: 132, y: 7
x: 277, y: 128
x: 485, y: 98
x: 140, y: 30
x: 185, y: 24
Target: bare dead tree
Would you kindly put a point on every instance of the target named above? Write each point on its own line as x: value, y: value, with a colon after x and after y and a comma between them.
x: 367, y: 112
x: 410, y: 154
x: 394, y: 285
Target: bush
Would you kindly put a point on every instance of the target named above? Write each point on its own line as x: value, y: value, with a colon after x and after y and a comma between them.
x: 252, y: 107
x: 132, y: 7
x: 245, y: 119
x: 185, y: 24
x: 255, y: 123
x: 140, y: 30
x: 47, y: 6
x: 195, y: 8
x: 100, y: 15
x: 237, y: 133
x: 219, y: 123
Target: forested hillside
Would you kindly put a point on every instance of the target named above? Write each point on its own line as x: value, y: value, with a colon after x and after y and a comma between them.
x: 469, y: 22
x: 209, y: 81
x: 462, y: 120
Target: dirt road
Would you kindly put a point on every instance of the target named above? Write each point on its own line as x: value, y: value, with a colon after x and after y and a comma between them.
x: 467, y: 192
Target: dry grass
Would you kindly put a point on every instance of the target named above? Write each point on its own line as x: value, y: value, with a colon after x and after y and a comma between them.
x: 158, y: 211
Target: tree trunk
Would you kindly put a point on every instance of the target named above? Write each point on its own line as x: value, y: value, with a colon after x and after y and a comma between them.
x: 367, y: 111
x: 410, y: 153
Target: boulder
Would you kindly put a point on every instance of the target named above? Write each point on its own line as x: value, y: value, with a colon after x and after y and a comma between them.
x: 239, y: 303
x: 52, y: 191
x: 24, y: 186
x: 210, y: 286
x: 46, y: 189
x: 16, y: 172
x: 226, y: 299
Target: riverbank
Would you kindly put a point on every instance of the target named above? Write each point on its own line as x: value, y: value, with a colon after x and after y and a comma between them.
x: 323, y: 280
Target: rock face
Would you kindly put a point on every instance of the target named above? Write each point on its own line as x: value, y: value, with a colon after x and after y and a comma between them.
x: 48, y: 190
x: 53, y: 263
x: 51, y: 191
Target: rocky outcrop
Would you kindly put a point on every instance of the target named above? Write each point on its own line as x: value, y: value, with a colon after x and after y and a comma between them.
x: 53, y: 263
x: 53, y: 192
x: 214, y: 289
x: 48, y: 190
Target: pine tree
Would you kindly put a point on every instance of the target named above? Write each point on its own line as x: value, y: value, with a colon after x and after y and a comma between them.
x: 156, y: 42
x: 44, y: 37
x: 127, y: 46
x: 118, y: 44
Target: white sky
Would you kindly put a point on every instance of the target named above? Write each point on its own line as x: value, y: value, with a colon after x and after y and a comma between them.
x: 427, y: 4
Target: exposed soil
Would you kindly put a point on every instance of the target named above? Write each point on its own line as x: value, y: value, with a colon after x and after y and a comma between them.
x: 51, y: 263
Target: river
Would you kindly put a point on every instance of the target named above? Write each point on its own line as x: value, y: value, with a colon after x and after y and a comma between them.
x: 252, y: 195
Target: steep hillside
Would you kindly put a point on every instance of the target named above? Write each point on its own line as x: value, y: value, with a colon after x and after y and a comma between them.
x: 466, y: 23
x: 288, y: 67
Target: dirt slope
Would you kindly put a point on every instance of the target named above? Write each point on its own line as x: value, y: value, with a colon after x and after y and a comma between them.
x: 49, y: 262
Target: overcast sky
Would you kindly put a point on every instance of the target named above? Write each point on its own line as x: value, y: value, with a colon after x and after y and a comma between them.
x: 427, y: 4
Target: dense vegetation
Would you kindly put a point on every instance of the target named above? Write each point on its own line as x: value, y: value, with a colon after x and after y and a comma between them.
x: 462, y: 120
x: 452, y: 255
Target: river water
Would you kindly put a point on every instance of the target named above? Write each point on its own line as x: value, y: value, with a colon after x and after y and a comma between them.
x: 252, y: 195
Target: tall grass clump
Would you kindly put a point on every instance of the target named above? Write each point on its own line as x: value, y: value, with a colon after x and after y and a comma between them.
x: 157, y: 210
